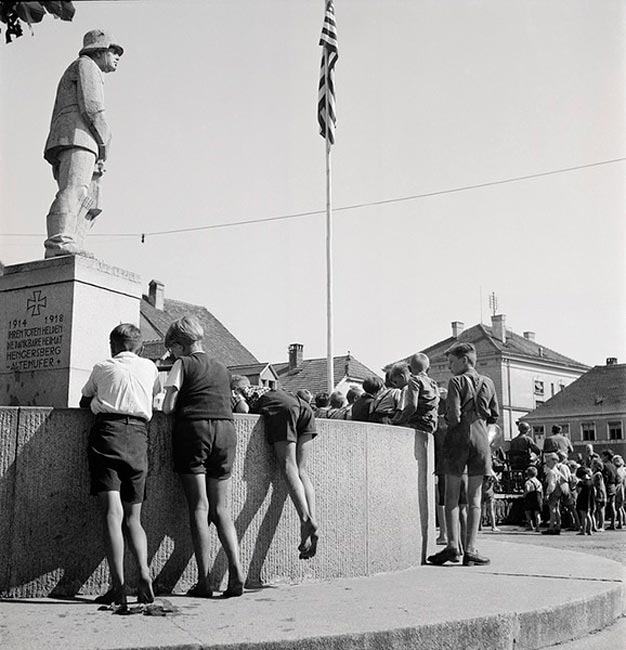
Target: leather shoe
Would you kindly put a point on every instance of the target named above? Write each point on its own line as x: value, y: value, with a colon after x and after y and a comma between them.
x: 447, y: 555
x: 473, y: 559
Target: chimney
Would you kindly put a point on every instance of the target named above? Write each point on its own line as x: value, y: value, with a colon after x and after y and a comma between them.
x: 498, y: 327
x: 457, y: 328
x: 611, y: 361
x: 295, y: 355
x: 156, y: 294
x: 530, y: 336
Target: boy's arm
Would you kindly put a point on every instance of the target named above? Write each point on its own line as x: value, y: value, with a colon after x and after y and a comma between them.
x: 88, y: 392
x: 453, y: 404
x: 172, y: 385
x: 169, y: 401
x: 494, y: 410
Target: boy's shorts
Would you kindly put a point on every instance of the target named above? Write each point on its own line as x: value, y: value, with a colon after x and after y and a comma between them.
x: 287, y: 418
x: 204, y: 447
x: 465, y: 448
x: 118, y: 456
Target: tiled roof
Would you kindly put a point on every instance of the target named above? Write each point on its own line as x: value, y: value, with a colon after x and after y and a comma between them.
x: 601, y: 390
x: 484, y: 340
x: 250, y: 368
x: 311, y: 373
x: 218, y: 341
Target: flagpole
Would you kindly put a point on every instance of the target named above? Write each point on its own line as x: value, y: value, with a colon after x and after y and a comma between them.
x: 329, y: 254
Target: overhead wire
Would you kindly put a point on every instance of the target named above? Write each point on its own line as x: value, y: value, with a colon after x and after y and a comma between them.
x: 300, y: 215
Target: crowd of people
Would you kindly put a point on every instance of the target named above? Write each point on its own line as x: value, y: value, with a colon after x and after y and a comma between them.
x: 202, y: 396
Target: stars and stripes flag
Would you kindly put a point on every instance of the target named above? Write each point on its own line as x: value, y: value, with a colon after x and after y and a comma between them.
x: 326, y: 116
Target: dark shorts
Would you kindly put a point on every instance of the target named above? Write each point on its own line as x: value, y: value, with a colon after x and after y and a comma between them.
x: 464, y: 447
x: 118, y: 457
x: 204, y: 447
x: 289, y: 421
x: 533, y: 502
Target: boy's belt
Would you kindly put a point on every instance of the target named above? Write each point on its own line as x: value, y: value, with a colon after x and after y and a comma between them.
x: 121, y: 416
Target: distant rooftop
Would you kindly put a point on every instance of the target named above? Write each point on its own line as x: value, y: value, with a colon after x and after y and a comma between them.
x: 602, y: 390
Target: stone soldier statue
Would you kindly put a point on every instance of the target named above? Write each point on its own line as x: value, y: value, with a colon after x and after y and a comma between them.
x: 78, y: 143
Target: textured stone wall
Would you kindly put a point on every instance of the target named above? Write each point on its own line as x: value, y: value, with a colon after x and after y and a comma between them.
x: 374, y: 498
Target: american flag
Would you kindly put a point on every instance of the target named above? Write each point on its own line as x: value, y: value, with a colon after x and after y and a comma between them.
x: 326, y: 116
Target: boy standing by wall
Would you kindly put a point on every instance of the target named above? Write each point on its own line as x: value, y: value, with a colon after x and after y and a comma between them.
x: 471, y: 405
x: 120, y: 392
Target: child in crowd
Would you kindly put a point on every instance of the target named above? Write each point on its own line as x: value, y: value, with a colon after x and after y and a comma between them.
x: 362, y: 407
x: 599, y: 493
x: 120, y: 391
x: 421, y: 397
x: 553, y: 480
x: 584, y: 500
x: 353, y: 394
x: 533, y: 499
x: 321, y: 404
x: 387, y: 403
x: 488, y: 502
x: 338, y: 406
x: 620, y: 490
x: 568, y: 490
x: 198, y: 392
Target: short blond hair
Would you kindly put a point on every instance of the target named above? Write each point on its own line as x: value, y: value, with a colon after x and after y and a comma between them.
x: 185, y: 330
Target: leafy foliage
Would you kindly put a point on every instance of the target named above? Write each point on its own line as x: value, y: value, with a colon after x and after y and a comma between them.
x: 14, y: 14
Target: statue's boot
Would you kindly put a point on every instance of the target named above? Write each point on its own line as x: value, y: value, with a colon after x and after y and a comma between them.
x: 61, y: 241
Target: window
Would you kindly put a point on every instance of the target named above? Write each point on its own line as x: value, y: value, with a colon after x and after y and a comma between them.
x: 538, y: 402
x: 616, y: 431
x: 552, y: 391
x: 539, y: 387
x: 539, y: 430
x: 588, y: 430
x: 565, y: 429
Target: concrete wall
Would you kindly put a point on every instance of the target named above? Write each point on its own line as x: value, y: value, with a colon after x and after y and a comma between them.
x: 374, y: 494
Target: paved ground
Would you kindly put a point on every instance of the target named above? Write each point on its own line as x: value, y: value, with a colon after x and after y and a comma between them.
x: 611, y: 544
x: 528, y: 598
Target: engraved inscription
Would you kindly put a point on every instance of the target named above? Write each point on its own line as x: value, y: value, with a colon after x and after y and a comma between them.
x: 35, y: 343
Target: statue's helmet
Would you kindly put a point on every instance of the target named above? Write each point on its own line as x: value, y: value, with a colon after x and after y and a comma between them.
x: 97, y: 39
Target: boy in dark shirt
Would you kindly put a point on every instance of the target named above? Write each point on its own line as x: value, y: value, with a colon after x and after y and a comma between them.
x: 198, y: 393
x: 362, y: 408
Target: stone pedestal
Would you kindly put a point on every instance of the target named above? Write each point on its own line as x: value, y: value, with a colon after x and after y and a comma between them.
x: 56, y: 316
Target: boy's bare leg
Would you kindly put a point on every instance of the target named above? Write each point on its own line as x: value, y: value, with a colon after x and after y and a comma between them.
x: 462, y: 527
x: 474, y: 494
x: 219, y: 513
x: 303, y: 453
x: 195, y: 489
x: 139, y: 547
x: 113, y: 515
x: 453, y: 489
x: 286, y: 454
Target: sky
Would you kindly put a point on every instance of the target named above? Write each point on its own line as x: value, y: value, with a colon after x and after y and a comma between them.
x: 213, y: 113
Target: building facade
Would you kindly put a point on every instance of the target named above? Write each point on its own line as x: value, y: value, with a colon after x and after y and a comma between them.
x: 590, y: 410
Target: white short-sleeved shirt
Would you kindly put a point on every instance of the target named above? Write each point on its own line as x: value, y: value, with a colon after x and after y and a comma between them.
x: 125, y: 384
x: 175, y: 376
